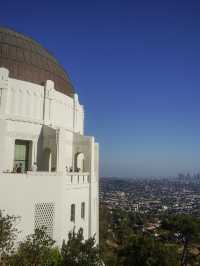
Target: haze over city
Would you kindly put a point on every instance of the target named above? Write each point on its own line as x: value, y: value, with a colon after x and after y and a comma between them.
x: 135, y: 66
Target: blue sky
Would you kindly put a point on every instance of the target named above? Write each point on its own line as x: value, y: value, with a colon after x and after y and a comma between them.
x: 136, y: 68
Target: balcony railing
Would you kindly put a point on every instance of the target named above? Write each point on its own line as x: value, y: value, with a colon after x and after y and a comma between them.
x: 71, y: 178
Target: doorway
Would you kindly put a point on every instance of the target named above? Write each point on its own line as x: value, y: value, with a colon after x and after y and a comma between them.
x: 21, y: 157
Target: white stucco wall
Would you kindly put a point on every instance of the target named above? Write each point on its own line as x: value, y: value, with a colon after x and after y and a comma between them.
x: 25, y: 107
x: 47, y: 119
x: 20, y: 192
x: 22, y: 100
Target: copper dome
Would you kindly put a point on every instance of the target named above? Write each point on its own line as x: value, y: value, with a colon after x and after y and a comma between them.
x: 27, y: 60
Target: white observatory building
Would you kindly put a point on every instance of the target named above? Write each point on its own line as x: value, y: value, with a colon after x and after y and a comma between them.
x: 49, y: 170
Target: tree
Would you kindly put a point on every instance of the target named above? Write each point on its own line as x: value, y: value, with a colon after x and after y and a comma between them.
x: 8, y: 234
x: 185, y: 229
x: 145, y: 251
x: 78, y: 252
x: 36, y: 250
x: 122, y: 227
x: 107, y: 243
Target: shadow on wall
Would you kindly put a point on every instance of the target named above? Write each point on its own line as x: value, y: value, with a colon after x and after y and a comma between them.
x: 47, y: 150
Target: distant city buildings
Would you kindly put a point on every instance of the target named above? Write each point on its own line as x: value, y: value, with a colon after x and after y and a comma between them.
x: 152, y: 195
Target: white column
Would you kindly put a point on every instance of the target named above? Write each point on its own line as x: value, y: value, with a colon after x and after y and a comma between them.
x: 50, y: 160
x: 57, y: 150
x: 48, y: 99
x: 4, y: 92
x: 34, y: 151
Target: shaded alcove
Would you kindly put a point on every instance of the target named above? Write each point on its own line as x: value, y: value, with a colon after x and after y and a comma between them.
x: 79, y: 162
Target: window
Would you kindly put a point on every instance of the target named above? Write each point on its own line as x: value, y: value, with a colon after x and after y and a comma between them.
x: 72, y: 213
x: 21, y: 155
x: 83, y: 210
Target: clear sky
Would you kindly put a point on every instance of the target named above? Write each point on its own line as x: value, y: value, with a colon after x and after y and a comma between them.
x: 136, y: 68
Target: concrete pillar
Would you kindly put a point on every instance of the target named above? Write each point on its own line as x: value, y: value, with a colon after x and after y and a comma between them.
x: 57, y: 150
x: 4, y: 92
x: 48, y: 98
x: 76, y: 102
x: 34, y: 151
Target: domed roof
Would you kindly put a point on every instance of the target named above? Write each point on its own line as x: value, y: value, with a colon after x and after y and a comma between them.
x: 27, y: 60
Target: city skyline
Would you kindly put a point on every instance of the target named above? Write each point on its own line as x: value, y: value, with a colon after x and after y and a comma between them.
x: 136, y: 67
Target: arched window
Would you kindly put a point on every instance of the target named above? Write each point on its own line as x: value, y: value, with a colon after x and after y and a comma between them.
x: 79, y: 162
x: 83, y: 210
x: 72, y: 218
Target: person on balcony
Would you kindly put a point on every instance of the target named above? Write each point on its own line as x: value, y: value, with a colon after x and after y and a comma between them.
x: 19, y: 169
x: 34, y: 167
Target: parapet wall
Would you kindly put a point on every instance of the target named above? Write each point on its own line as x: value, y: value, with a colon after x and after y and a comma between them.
x: 46, y: 198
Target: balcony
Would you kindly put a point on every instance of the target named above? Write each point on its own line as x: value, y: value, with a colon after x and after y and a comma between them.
x: 70, y: 178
